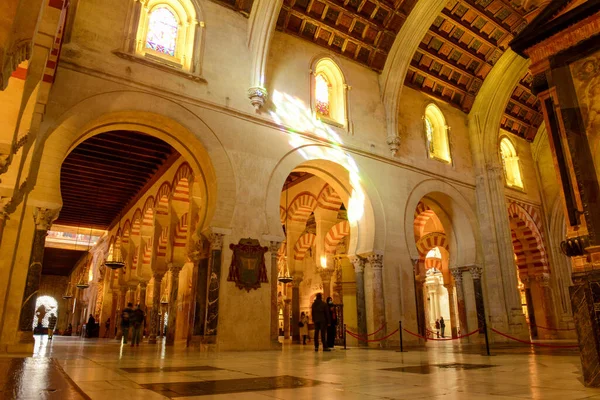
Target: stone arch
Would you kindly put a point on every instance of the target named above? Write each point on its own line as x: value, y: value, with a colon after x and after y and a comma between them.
x: 136, y: 225
x: 423, y: 214
x: 161, y: 200
x: 457, y: 216
x: 145, y: 113
x: 353, y: 186
x: 304, y: 243
x: 335, y: 234
x: 528, y: 244
x: 329, y: 199
x: 431, y: 240
x: 302, y: 206
x: 148, y: 216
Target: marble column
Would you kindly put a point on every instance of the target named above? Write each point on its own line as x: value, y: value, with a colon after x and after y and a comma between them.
x: 326, y: 274
x: 376, y: 262
x: 274, y: 249
x: 201, y: 292
x: 143, y: 286
x: 476, y: 272
x: 296, y: 308
x: 173, y: 304
x: 121, y: 307
x: 361, y: 309
x: 453, y: 323
x: 457, y: 274
x: 286, y: 318
x: 155, y: 314
x: 214, y: 284
x: 43, y: 222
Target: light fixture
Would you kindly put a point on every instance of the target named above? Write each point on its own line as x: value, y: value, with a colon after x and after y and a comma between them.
x: 284, y: 275
x: 115, y: 259
x: 83, y: 282
x: 68, y: 293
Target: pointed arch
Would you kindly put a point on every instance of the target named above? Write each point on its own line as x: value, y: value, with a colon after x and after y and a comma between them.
x: 304, y: 243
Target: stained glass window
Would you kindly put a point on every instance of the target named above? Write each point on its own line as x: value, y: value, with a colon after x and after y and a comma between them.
x: 162, y: 31
x: 429, y: 133
x: 322, y: 95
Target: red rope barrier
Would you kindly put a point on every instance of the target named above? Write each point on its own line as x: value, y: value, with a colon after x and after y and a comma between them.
x: 371, y: 340
x: 370, y: 334
x: 552, y: 329
x: 534, y: 344
x: 456, y: 338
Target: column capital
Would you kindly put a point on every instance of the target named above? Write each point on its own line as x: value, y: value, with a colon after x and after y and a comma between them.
x: 298, y: 277
x: 543, y: 279
x: 257, y: 96
x: 175, y: 268
x: 274, y: 246
x: 44, y: 218
x: 196, y: 251
x: 143, y: 285
x: 158, y: 275
x: 476, y: 271
x: 123, y: 289
x: 326, y: 274
x: 216, y: 241
x: 376, y: 260
x: 449, y: 287
x: 358, y: 262
x: 457, y: 274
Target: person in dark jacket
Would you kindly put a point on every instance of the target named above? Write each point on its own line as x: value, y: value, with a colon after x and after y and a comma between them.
x: 332, y: 323
x: 321, y: 319
x: 126, y: 316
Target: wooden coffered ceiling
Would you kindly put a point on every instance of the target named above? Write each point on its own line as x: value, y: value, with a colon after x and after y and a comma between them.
x: 242, y: 6
x: 363, y: 30
x: 523, y: 114
x: 105, y: 173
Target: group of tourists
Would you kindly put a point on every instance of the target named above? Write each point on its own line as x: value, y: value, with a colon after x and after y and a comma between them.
x: 133, y: 319
x: 325, y: 319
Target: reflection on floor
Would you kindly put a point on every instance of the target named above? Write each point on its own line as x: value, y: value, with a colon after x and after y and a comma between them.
x: 103, y: 369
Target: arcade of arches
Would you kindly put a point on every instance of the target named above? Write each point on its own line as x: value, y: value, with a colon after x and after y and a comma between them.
x: 220, y: 163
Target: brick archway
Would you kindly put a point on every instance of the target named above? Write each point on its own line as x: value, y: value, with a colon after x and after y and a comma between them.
x: 528, y: 243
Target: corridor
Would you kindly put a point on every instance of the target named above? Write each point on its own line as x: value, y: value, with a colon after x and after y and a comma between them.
x: 102, y: 369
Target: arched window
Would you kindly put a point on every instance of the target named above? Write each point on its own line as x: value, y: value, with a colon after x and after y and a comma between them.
x: 44, y: 306
x: 510, y: 162
x: 167, y: 33
x: 329, y: 93
x: 436, y: 134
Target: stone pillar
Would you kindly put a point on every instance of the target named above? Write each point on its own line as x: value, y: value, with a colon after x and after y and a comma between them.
x: 543, y: 281
x: 460, y: 299
x: 201, y: 292
x: 155, y: 315
x: 214, y: 284
x: 274, y: 248
x: 143, y: 286
x: 453, y: 320
x: 326, y: 274
x: 286, y: 318
x: 121, y: 307
x: 376, y: 262
x: 361, y: 312
x: 173, y: 304
x: 525, y: 279
x: 43, y: 222
x: 476, y: 272
x: 296, y: 308
x: 132, y: 289
x: 113, y: 314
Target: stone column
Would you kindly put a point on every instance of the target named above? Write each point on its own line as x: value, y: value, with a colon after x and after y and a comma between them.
x: 143, y: 286
x: 132, y: 288
x: 121, y: 307
x: 376, y: 262
x: 296, y: 308
x: 525, y: 279
x: 543, y: 281
x: 286, y: 318
x: 201, y: 293
x: 214, y: 284
x: 155, y: 315
x: 173, y: 304
x: 361, y: 312
x: 113, y: 313
x: 326, y: 274
x: 457, y: 274
x: 453, y: 323
x: 43, y: 222
x: 274, y: 248
x: 476, y: 272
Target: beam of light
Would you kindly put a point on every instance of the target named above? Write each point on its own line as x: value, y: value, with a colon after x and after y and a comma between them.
x: 324, y: 261
x: 296, y: 117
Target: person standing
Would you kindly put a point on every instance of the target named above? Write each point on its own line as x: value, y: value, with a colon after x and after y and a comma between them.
x: 442, y: 325
x: 90, y: 327
x: 331, y: 328
x: 303, y: 327
x: 137, y: 322
x: 51, y: 325
x: 437, y: 327
x: 126, y: 316
x: 321, y: 318
x: 107, y: 327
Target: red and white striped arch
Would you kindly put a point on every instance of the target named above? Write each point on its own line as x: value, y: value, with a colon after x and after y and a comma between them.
x: 302, y: 206
x: 136, y: 225
x: 148, y: 252
x: 335, y: 234
x: 422, y: 214
x: 126, y: 232
x: 161, y: 202
x: 329, y: 199
x: 430, y: 241
x: 135, y: 258
x: 304, y: 243
x: 148, y: 213
x: 528, y: 243
x: 162, y: 243
x: 181, y: 183
x: 181, y: 230
x: 282, y: 215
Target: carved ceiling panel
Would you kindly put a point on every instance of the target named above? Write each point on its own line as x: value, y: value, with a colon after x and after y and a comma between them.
x: 363, y: 30
x: 523, y: 114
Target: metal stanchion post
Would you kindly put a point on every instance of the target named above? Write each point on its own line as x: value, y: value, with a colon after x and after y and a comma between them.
x: 401, y: 339
x: 345, y: 337
x: 485, y: 332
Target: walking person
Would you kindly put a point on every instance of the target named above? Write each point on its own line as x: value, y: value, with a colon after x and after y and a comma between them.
x: 51, y: 325
x: 137, y: 322
x: 90, y: 327
x: 331, y: 328
x: 437, y: 327
x: 126, y: 316
x: 321, y: 319
x: 303, y: 327
x: 442, y: 325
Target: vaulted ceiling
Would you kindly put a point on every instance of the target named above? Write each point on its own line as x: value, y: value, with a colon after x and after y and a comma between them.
x: 105, y: 173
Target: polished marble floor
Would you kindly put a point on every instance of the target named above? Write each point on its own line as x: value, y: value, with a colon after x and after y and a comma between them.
x: 102, y: 369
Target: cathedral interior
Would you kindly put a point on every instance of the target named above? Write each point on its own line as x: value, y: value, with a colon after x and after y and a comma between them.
x: 431, y: 166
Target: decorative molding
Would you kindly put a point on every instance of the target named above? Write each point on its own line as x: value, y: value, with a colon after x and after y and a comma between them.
x: 163, y: 66
x: 359, y: 264
x: 543, y: 279
x: 393, y: 143
x: 216, y: 241
x: 476, y: 271
x: 376, y: 260
x: 457, y: 274
x: 44, y: 218
x: 258, y: 97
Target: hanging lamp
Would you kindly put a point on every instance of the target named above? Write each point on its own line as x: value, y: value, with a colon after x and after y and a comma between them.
x: 68, y: 293
x: 284, y: 276
x: 115, y: 259
x: 83, y: 282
